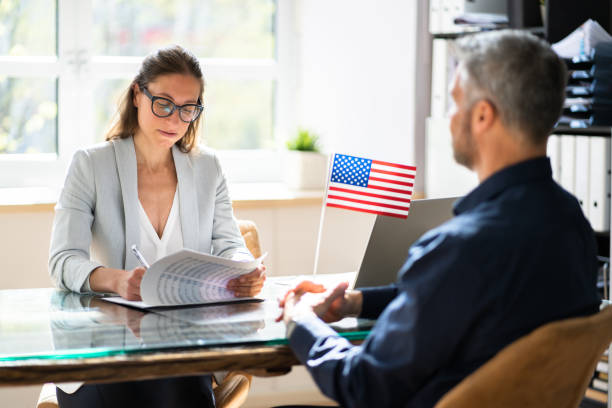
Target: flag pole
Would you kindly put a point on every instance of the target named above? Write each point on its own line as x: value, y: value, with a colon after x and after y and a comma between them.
x: 322, y: 218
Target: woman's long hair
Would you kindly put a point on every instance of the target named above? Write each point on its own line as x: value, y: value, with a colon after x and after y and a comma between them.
x: 171, y: 60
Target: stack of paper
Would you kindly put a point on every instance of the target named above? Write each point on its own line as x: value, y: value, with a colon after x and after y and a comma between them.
x: 582, y: 40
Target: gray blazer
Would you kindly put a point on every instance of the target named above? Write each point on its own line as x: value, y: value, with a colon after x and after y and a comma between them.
x: 97, y: 210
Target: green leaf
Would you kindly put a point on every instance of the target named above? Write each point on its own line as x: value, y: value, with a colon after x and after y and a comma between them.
x: 304, y: 141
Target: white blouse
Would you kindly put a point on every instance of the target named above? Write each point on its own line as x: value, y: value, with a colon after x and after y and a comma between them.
x: 151, y: 245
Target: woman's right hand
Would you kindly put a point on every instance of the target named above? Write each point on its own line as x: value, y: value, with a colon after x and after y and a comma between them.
x: 124, y: 283
x: 126, y: 316
x: 128, y: 285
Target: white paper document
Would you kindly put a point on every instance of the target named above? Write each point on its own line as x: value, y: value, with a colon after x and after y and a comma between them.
x: 582, y: 40
x: 189, y: 277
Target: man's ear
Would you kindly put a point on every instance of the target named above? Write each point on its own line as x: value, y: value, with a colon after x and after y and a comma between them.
x: 483, y: 117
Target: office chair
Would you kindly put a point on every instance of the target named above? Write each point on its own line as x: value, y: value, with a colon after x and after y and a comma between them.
x: 234, y: 388
x: 550, y: 367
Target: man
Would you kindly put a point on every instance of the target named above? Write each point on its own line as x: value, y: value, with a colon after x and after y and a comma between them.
x: 518, y: 253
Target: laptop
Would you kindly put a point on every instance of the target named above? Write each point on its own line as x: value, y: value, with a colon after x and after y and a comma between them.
x: 391, y: 237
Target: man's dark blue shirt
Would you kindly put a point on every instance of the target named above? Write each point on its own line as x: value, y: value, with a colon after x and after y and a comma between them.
x: 518, y: 253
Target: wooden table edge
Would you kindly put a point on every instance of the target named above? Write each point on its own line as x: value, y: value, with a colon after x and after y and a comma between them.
x: 147, y: 365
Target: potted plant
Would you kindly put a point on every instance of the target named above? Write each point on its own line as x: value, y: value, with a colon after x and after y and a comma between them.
x: 305, y: 166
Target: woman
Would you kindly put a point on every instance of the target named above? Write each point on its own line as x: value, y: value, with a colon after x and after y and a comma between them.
x: 147, y: 185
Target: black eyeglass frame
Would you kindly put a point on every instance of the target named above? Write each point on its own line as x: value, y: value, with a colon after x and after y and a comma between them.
x: 197, y: 106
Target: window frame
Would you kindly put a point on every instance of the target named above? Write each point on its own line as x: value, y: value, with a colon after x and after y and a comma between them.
x: 75, y: 64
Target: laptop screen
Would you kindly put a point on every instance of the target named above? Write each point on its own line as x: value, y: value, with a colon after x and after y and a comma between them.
x: 392, y: 237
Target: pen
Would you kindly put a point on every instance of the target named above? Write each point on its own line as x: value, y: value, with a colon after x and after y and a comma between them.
x: 139, y: 256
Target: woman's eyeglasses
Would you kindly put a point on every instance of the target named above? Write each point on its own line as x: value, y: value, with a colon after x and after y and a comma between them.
x: 162, y: 107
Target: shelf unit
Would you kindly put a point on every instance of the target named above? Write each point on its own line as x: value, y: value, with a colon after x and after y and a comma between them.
x: 436, y: 123
x: 596, y: 131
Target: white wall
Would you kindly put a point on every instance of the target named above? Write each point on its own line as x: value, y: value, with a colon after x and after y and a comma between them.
x: 358, y: 76
x: 24, y: 248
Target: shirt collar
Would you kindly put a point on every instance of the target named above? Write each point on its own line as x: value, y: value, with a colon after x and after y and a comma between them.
x: 520, y: 173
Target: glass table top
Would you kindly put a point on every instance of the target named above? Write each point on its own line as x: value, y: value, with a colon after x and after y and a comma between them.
x: 50, y: 323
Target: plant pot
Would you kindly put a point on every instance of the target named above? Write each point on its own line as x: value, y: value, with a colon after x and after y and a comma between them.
x: 305, y: 170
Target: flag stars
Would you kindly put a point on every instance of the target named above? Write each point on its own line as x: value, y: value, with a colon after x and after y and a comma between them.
x: 351, y: 170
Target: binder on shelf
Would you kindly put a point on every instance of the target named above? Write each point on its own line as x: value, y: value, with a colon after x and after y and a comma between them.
x: 599, y: 190
x: 602, y: 376
x: 568, y: 162
x: 553, y: 151
x: 597, y: 397
x: 581, y: 179
x: 600, y: 385
x: 602, y: 367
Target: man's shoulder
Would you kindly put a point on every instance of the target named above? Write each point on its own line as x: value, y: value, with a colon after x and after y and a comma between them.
x: 543, y: 209
x: 459, y: 229
x: 473, y: 234
x: 540, y: 207
x: 456, y: 240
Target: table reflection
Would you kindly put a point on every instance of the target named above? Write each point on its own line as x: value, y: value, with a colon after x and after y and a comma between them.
x: 50, y: 323
x: 87, y: 322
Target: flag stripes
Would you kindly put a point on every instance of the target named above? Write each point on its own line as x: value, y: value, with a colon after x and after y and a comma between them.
x: 345, y: 190
x: 370, y: 186
x: 346, y: 207
x: 373, y: 203
x: 399, y: 166
x: 392, y: 173
x: 401, y: 183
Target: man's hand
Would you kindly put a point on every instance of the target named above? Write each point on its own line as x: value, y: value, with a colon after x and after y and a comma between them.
x: 249, y: 284
x: 312, y: 298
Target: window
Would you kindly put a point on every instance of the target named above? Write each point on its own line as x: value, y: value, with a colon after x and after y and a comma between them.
x: 29, y: 123
x: 210, y: 29
x: 65, y: 64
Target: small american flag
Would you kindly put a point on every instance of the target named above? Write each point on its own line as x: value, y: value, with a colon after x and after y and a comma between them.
x: 370, y: 186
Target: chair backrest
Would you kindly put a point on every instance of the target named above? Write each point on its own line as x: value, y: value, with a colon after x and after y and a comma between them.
x: 248, y: 229
x: 550, y: 367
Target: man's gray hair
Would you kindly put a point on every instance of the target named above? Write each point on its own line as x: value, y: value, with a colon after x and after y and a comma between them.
x: 520, y: 74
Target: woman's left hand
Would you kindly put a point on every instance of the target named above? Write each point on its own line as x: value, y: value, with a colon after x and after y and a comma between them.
x: 250, y: 284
